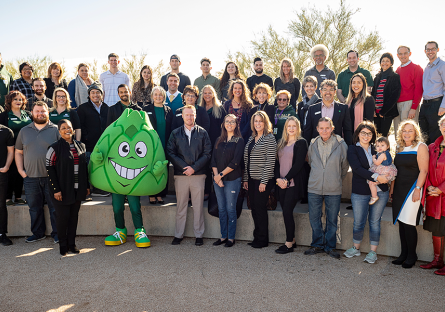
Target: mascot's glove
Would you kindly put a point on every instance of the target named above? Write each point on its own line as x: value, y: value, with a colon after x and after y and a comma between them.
x: 96, y: 156
x: 159, y: 166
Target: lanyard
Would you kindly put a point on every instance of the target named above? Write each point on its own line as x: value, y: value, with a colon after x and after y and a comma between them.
x: 276, y: 118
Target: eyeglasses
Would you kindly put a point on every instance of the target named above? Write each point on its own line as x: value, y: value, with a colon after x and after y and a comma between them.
x: 364, y: 133
x: 431, y: 50
x: 230, y: 122
x: 27, y: 69
x: 61, y: 96
x: 282, y: 100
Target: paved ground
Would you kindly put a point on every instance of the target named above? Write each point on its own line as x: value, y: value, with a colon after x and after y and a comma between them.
x: 188, y: 278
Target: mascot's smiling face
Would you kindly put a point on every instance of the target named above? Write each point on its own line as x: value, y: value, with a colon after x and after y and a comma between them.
x: 130, y: 147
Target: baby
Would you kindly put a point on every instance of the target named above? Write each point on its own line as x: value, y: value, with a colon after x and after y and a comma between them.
x: 382, y: 164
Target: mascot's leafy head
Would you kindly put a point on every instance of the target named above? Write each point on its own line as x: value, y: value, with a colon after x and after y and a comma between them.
x: 130, y: 147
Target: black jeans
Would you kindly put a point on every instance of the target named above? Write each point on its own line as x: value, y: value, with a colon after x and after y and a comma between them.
x: 15, y: 182
x: 383, y: 124
x: 288, y: 199
x: 258, y: 203
x: 3, y: 208
x: 428, y: 120
x: 66, y: 220
x: 408, y: 240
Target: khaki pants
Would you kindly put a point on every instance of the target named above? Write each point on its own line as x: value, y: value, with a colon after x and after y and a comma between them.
x: 185, y: 185
x: 403, y: 108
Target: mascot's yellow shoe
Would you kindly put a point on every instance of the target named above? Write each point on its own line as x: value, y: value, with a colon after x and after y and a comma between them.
x: 140, y: 238
x: 118, y: 238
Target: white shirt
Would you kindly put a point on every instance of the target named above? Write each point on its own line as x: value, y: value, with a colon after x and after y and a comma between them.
x: 189, y: 132
x: 97, y: 107
x: 174, y: 94
x: 110, y: 83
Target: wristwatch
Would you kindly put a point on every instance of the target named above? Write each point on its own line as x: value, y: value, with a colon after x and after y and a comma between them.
x: 221, y: 174
x: 418, y: 187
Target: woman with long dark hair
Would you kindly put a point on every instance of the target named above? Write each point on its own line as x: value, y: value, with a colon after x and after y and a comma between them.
x: 361, y: 103
x: 142, y: 88
x: 68, y: 173
x: 227, y: 173
x: 231, y: 72
x: 291, y: 173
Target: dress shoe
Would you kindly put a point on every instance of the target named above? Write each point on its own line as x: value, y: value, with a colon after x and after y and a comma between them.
x: 332, y: 253
x: 63, y: 250
x: 219, y: 242
x: 199, y: 241
x: 229, y: 243
x: 313, y: 251
x: 408, y: 264
x: 4, y: 240
x: 152, y: 202
x: 73, y: 249
x: 283, y: 249
x: 399, y: 260
x: 176, y: 241
x: 259, y: 245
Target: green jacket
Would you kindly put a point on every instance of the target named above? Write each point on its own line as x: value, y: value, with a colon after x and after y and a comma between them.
x: 5, y: 84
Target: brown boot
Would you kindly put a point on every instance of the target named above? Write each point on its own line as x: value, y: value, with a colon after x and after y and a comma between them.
x: 437, y: 263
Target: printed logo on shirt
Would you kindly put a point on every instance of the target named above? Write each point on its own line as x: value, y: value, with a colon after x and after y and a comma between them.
x: 150, y: 113
x: 66, y: 115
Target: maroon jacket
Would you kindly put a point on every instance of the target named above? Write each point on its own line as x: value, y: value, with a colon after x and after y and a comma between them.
x: 435, y: 205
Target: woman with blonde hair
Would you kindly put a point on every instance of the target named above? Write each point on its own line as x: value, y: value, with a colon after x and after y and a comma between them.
x: 287, y: 81
x: 62, y: 110
x: 291, y: 172
x: 259, y: 160
x: 361, y: 103
x: 411, y: 161
x: 55, y: 79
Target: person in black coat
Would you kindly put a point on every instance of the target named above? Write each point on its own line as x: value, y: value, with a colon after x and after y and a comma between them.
x: 291, y: 174
x: 386, y: 92
x: 359, y: 100
x: 311, y: 97
x: 93, y: 117
x: 115, y: 111
x: 189, y: 97
x: 161, y: 118
x: 66, y: 163
x: 340, y: 114
x: 360, y: 159
x: 261, y: 94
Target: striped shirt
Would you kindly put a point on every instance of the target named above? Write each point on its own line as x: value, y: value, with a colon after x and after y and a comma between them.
x: 379, y: 95
x: 51, y: 160
x: 261, y: 160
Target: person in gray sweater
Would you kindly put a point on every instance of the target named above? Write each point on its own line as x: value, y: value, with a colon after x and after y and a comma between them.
x: 327, y: 156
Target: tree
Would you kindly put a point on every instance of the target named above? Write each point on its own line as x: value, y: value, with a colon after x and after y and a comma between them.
x: 333, y: 28
x: 40, y: 65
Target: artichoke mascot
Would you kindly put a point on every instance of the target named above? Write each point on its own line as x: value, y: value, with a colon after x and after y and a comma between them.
x: 129, y: 161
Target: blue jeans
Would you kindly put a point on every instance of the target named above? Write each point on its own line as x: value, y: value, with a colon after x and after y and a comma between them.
x: 37, y: 189
x: 362, y: 211
x: 226, y: 197
x: 324, y: 238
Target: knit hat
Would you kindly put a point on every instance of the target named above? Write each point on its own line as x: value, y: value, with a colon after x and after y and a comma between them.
x: 95, y: 86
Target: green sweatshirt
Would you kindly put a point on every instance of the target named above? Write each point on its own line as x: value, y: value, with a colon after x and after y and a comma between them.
x: 280, y: 118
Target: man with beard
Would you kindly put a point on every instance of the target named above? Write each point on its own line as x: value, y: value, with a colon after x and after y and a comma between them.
x: 259, y: 77
x: 320, y: 54
x: 206, y: 79
x: 115, y: 111
x: 39, y: 88
x: 93, y: 121
x: 30, y: 153
x: 184, y: 80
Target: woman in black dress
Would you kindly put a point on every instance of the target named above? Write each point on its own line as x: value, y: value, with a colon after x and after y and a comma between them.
x: 411, y: 160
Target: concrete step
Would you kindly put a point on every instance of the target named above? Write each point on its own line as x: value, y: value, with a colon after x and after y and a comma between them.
x: 96, y: 218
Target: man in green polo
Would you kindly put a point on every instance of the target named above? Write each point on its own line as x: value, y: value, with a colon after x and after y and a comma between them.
x: 5, y: 82
x: 344, y: 78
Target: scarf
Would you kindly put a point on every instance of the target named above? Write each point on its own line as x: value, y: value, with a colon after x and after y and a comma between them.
x: 81, y: 95
x: 359, y: 107
x: 307, y: 103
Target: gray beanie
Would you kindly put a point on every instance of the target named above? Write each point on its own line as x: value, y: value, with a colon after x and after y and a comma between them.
x: 95, y: 86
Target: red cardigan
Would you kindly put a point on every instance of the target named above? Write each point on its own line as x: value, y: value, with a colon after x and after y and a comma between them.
x: 435, y: 205
x: 411, y: 80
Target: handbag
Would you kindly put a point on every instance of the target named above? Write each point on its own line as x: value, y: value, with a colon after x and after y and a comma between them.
x: 271, y: 203
x: 213, y: 203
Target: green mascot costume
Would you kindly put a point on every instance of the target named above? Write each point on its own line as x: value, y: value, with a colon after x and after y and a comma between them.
x: 128, y: 160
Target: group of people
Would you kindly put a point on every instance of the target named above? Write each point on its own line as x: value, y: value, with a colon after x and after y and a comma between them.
x: 224, y: 134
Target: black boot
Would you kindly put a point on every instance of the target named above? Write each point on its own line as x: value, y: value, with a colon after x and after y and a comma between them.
x: 63, y: 250
x: 404, y: 253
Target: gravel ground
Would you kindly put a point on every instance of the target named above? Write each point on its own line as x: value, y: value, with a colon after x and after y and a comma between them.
x: 208, y: 278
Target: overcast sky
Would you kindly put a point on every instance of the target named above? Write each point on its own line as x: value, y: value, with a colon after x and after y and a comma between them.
x: 77, y: 31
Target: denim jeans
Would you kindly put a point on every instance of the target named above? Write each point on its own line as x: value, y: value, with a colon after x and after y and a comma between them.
x: 226, y: 197
x: 37, y: 189
x: 362, y: 211
x: 324, y: 238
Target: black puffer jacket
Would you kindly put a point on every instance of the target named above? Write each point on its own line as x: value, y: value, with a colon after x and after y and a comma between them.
x: 196, y: 154
x: 391, y: 93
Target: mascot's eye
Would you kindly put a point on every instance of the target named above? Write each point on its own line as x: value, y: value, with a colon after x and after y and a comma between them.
x: 140, y: 149
x: 124, y: 149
